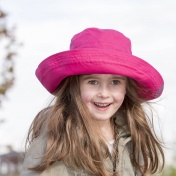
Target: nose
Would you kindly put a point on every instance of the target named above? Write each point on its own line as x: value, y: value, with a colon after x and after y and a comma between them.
x: 103, y: 91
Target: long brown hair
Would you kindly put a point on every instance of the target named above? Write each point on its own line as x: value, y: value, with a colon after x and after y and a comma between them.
x: 72, y: 136
x: 147, y: 148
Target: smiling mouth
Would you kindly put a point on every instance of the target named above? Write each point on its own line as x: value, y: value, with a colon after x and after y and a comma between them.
x: 102, y: 105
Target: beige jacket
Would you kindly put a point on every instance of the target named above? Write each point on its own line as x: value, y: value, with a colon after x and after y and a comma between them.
x: 123, y: 162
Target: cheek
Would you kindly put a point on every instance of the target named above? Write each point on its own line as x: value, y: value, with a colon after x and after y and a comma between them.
x: 85, y: 96
x: 120, y: 95
x: 123, y: 91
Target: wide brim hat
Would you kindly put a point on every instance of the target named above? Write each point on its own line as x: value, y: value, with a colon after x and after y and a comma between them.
x: 100, y: 51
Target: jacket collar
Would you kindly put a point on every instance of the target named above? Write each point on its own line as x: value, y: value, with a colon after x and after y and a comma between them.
x: 121, y: 127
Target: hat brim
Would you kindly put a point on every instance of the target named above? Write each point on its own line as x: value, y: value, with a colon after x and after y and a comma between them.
x: 55, y: 68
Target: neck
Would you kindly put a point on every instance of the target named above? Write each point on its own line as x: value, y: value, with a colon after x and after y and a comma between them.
x: 106, y: 129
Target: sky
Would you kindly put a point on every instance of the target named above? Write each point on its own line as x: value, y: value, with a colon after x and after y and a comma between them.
x: 46, y: 27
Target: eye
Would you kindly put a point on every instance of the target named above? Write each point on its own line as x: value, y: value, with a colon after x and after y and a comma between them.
x: 115, y: 82
x: 93, y: 82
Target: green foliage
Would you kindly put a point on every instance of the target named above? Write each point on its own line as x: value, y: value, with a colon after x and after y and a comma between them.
x: 168, y: 171
x: 8, y: 47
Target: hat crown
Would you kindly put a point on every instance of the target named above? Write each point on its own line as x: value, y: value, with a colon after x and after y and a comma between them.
x: 108, y: 39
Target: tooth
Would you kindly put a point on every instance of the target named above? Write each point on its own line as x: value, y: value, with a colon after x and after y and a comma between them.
x: 102, y: 104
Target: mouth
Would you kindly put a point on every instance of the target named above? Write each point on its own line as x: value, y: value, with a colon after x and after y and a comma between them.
x: 102, y: 105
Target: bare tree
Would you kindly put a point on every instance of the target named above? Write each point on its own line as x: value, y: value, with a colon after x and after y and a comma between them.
x: 8, y: 50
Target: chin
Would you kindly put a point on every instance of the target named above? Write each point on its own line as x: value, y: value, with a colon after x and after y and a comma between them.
x: 102, y: 118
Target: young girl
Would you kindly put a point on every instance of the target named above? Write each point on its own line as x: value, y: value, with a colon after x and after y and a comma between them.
x: 97, y: 125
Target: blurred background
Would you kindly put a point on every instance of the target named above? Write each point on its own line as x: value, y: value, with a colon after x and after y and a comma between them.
x: 32, y: 30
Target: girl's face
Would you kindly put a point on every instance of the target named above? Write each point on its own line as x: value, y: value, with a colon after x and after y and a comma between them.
x: 102, y: 94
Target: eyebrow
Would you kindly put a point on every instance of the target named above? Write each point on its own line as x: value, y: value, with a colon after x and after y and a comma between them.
x: 85, y: 77
x: 119, y: 77
x: 96, y: 77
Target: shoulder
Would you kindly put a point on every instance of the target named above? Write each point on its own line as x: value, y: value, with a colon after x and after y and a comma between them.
x: 58, y: 168
x: 34, y: 154
x: 37, y: 141
x: 39, y: 123
x: 43, y: 113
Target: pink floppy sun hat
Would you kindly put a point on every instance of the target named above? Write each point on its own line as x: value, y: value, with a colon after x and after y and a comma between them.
x: 100, y: 51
